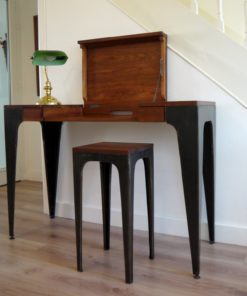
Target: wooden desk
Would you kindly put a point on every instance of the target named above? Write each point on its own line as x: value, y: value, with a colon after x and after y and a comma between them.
x: 195, y: 125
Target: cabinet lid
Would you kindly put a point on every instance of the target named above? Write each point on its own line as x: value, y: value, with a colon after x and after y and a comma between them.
x: 124, y: 70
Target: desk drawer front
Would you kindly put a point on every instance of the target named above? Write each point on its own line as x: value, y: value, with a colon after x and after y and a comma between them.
x: 62, y: 113
x: 32, y: 113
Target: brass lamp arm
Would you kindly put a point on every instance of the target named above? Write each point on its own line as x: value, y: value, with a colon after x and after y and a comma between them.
x: 46, y: 75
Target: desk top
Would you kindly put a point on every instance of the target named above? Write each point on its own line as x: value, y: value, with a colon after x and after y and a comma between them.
x: 148, y: 112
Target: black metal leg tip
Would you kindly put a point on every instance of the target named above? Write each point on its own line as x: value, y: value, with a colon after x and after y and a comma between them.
x: 79, y: 269
x: 151, y: 257
x: 196, y: 276
x: 129, y: 282
x: 52, y: 216
x: 11, y: 237
x: 211, y: 242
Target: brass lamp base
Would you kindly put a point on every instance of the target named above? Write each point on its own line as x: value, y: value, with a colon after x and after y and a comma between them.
x: 48, y: 100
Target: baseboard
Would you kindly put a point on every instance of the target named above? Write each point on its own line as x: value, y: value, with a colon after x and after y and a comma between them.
x: 230, y: 234
x: 32, y: 175
x: 3, y: 179
x: 3, y: 176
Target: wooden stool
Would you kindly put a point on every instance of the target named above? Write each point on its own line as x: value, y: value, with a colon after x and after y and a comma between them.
x: 124, y: 156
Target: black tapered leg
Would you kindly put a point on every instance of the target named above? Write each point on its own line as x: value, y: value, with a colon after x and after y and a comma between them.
x: 126, y: 176
x: 51, y: 132
x: 208, y: 175
x: 78, y: 178
x: 105, y: 174
x: 189, y: 122
x: 12, y: 120
x: 149, y: 177
x: 185, y: 120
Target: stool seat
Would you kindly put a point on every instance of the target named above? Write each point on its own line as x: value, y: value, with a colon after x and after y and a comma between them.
x: 124, y: 156
x: 113, y: 148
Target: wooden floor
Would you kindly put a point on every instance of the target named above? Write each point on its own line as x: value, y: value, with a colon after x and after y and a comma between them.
x: 41, y: 260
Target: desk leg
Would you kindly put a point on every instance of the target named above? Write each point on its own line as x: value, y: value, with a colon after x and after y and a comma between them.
x: 51, y: 132
x: 12, y: 120
x: 193, y: 123
x: 208, y: 174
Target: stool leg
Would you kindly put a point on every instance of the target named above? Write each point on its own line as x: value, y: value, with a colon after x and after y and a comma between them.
x: 105, y: 174
x: 149, y: 176
x: 126, y: 175
x: 77, y: 171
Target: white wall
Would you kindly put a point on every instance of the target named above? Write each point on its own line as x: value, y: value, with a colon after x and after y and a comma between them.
x: 80, y: 19
x: 23, y: 85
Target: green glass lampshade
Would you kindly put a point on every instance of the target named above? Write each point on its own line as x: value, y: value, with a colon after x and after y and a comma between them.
x: 49, y: 58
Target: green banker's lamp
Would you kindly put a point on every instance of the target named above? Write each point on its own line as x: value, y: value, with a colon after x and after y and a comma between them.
x: 48, y: 58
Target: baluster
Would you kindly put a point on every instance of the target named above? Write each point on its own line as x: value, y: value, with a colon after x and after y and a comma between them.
x: 194, y: 6
x: 245, y: 23
x: 221, y: 23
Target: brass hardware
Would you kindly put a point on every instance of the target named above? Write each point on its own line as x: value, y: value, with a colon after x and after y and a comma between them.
x: 48, y: 99
x: 158, y: 81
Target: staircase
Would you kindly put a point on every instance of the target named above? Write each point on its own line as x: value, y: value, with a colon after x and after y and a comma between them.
x: 210, y: 35
x: 228, y: 16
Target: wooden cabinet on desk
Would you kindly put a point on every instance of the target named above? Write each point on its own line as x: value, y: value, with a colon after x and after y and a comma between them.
x: 121, y: 73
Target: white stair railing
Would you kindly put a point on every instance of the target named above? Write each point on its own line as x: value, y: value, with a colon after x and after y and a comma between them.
x: 245, y: 23
x: 195, y: 6
x: 221, y: 23
x: 230, y: 18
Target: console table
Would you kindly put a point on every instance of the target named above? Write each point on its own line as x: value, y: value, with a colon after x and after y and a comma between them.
x: 195, y: 125
x: 124, y: 80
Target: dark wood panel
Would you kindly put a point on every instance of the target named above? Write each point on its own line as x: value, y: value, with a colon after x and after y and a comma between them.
x: 178, y: 103
x: 113, y: 148
x: 62, y: 112
x: 36, y: 47
x: 126, y: 77
x: 33, y: 114
x: 151, y: 114
x: 133, y: 38
x: 147, y: 112
x: 124, y: 70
